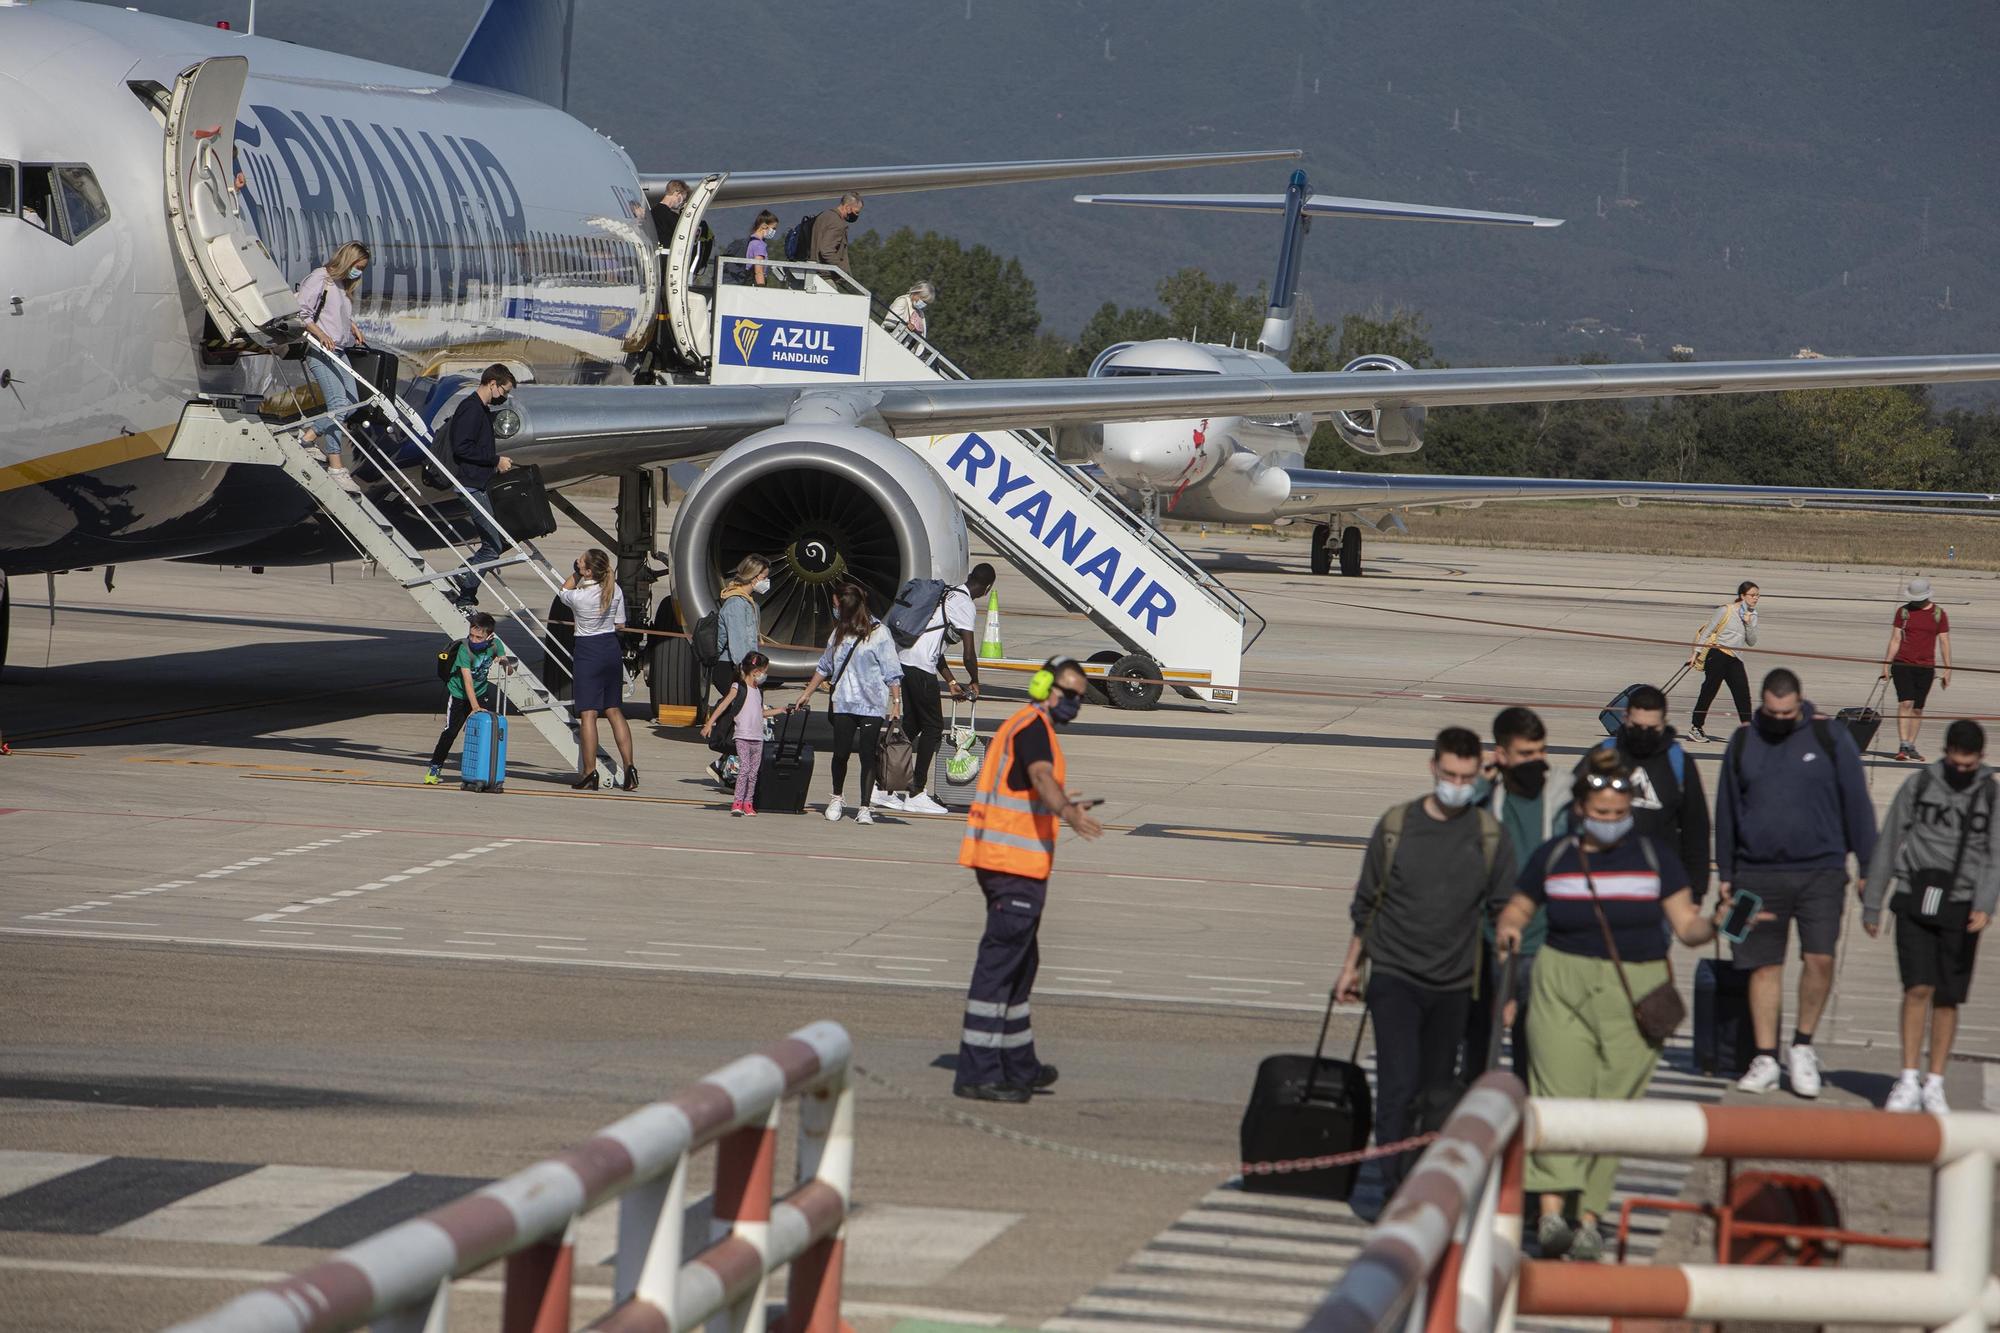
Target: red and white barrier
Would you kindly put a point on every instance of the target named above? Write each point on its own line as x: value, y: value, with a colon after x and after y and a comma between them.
x: 401, y: 1278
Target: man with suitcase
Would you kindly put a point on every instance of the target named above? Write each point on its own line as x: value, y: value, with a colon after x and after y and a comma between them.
x: 471, y: 451
x: 1791, y: 806
x: 1436, y: 868
x: 1919, y: 634
x: 924, y: 671
x: 1010, y: 844
x: 1936, y: 865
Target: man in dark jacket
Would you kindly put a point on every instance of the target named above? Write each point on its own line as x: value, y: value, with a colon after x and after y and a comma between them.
x: 1432, y: 870
x: 1792, y: 805
x: 1669, y: 803
x: 829, y: 233
x: 475, y: 456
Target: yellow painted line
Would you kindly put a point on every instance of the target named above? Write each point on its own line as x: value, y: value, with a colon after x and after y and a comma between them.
x: 86, y: 458
x: 224, y: 763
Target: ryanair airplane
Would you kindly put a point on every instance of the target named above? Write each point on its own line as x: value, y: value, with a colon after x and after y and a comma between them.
x: 164, y: 188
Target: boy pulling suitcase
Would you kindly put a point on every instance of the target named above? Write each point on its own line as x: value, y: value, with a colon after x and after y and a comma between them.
x: 469, y: 694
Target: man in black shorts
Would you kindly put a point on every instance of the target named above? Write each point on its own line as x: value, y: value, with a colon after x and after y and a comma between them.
x: 1935, y: 865
x: 1791, y: 804
x: 1919, y: 634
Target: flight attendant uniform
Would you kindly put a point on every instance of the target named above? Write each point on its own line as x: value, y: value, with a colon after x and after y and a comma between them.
x: 1010, y: 844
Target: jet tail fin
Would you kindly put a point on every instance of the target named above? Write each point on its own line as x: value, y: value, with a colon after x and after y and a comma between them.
x: 520, y: 47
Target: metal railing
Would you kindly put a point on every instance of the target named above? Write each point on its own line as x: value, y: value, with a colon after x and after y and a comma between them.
x: 401, y: 1278
x: 1446, y: 1254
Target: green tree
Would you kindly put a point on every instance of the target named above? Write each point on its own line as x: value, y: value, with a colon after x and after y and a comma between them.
x: 1877, y: 437
x: 985, y: 317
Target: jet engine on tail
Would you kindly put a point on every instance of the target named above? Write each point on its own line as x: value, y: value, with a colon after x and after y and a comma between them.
x: 1388, y: 429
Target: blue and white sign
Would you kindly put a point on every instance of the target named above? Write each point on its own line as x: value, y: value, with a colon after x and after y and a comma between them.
x: 787, y: 344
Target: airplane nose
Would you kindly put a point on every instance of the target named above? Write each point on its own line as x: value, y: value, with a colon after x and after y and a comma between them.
x: 1150, y: 453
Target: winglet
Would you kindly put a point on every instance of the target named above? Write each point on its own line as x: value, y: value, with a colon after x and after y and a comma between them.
x: 520, y: 47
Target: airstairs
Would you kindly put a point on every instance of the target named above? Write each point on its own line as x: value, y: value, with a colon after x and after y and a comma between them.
x: 234, y: 430
x: 1068, y: 532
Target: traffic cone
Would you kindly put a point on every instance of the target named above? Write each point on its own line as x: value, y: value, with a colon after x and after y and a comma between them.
x: 989, y: 646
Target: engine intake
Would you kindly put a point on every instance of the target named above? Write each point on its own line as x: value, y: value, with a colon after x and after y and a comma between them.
x: 825, y: 504
x: 1395, y: 430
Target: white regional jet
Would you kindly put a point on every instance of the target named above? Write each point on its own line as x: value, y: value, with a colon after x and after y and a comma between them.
x: 1250, y: 467
x: 134, y: 281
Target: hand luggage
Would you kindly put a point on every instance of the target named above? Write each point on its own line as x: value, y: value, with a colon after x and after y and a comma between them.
x: 787, y: 772
x: 1612, y: 716
x: 483, y: 764
x: 955, y: 773
x: 520, y: 503
x: 375, y: 368
x: 895, y: 761
x: 1862, y: 723
x: 1724, y: 1040
x: 1306, y: 1106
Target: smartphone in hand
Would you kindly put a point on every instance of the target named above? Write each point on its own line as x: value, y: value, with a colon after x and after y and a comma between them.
x: 1743, y: 909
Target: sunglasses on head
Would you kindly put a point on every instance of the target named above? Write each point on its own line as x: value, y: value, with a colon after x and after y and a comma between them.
x: 1599, y: 782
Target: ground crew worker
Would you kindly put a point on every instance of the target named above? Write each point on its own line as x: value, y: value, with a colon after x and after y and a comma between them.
x: 1010, y: 843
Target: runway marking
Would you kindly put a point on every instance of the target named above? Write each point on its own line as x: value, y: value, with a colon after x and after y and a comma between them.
x: 511, y: 935
x: 252, y: 1209
x: 287, y: 912
x: 23, y: 1170
x: 1261, y: 981
x: 224, y: 763
x: 731, y: 948
x: 1262, y: 837
x: 223, y: 872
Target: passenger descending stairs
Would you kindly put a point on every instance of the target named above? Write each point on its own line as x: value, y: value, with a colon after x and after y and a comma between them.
x: 1210, y: 629
x: 231, y: 431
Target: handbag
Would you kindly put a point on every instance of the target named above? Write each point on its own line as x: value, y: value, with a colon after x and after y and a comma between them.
x: 1701, y: 653
x: 895, y: 761
x: 1928, y: 901
x: 1660, y: 1012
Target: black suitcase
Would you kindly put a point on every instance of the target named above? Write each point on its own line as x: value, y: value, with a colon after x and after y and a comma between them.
x: 1287, y: 1120
x: 1724, y: 1039
x: 520, y: 503
x: 787, y: 772
x: 1612, y: 716
x: 375, y: 367
x: 1862, y: 723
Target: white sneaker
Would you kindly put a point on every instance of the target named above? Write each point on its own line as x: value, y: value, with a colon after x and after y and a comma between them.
x: 924, y: 804
x: 1907, y: 1095
x: 864, y: 816
x: 1934, y: 1101
x: 344, y: 479
x: 1802, y: 1063
x: 833, y: 810
x: 886, y: 800
x: 1761, y: 1076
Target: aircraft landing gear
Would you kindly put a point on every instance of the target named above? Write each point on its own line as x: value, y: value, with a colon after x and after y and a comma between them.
x: 6, y: 618
x: 1350, y: 552
x: 1322, y: 554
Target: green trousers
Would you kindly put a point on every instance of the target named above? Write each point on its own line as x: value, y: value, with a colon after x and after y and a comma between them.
x: 1584, y: 1042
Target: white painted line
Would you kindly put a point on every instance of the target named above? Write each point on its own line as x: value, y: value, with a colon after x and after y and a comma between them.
x: 414, y: 870
x: 255, y: 1207
x: 20, y: 1170
x: 1106, y: 971
x: 897, y: 957
x: 891, y: 967
x: 890, y: 1245
x: 1237, y: 990
x: 272, y: 930
x: 732, y: 948
x: 347, y: 893
x: 369, y: 888
x: 647, y: 953
x: 268, y: 916
x: 566, y: 948
x: 461, y: 856
x: 319, y: 902
x: 393, y: 939
x: 1262, y: 981
x: 146, y: 924
x: 510, y: 935
x: 390, y: 879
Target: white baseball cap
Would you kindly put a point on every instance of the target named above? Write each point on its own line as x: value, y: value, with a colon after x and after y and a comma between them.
x: 1917, y: 590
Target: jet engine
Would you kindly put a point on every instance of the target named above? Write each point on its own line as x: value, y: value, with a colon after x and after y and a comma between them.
x: 1395, y: 430
x: 825, y: 504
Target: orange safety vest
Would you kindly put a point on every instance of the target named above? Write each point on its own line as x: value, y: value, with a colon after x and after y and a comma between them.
x: 1009, y: 829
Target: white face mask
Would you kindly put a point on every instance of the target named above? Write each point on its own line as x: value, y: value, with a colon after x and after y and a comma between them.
x: 919, y: 305
x: 1453, y: 795
x: 353, y: 274
x: 761, y: 586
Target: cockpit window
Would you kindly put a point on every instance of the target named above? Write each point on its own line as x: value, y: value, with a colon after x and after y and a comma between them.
x: 7, y: 196
x: 83, y: 202
x: 63, y: 200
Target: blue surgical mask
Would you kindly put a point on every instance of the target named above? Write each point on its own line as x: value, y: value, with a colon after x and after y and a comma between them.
x: 1608, y: 832
x: 1453, y: 795
x: 353, y: 273
x: 920, y: 304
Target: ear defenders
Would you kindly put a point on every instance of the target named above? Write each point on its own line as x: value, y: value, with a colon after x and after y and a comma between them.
x: 1043, y: 683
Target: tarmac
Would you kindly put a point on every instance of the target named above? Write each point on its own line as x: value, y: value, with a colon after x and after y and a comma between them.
x: 262, y: 992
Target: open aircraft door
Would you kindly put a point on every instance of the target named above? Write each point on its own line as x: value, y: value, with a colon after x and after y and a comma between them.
x: 245, y: 292
x: 688, y: 310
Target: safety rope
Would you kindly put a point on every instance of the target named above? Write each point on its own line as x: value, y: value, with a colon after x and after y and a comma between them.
x: 1230, y: 1170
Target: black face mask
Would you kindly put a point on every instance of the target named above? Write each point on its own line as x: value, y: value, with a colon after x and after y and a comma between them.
x: 1643, y: 742
x: 1527, y: 779
x: 1775, y: 729
x: 1959, y: 779
x: 1064, y: 710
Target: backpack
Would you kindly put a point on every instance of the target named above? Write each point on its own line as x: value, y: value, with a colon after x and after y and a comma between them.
x: 707, y: 638
x: 1392, y: 833
x: 737, y: 275
x: 1676, y: 760
x: 798, y: 241
x: 446, y: 656
x: 909, y: 617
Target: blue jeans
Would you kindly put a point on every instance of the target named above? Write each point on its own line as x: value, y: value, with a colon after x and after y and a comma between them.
x: 335, y: 387
x: 491, y: 544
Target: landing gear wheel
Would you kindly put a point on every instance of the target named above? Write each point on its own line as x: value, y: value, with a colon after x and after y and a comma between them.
x: 1093, y: 692
x: 1350, y: 552
x: 6, y: 617
x: 1134, y: 683
x: 674, y: 676
x: 1322, y: 553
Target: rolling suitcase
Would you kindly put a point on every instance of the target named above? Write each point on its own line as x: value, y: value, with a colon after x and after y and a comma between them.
x: 483, y: 764
x: 955, y: 774
x: 787, y: 773
x: 1612, y: 716
x: 520, y: 503
x: 1306, y: 1106
x: 1724, y: 1040
x: 1862, y: 723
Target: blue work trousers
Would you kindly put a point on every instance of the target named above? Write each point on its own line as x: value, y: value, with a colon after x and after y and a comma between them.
x: 998, y: 1044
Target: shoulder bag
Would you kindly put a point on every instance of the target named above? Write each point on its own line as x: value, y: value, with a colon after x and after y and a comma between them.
x: 1660, y: 1012
x: 1928, y: 899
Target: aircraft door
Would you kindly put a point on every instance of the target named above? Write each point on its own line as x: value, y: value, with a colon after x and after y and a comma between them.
x: 688, y: 310
x: 245, y: 291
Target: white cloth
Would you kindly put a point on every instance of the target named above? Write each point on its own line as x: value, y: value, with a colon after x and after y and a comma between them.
x: 959, y: 614
x: 336, y: 314
x: 591, y: 616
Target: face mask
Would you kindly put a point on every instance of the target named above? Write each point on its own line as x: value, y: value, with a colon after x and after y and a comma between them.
x: 1957, y: 778
x: 479, y: 645
x: 1453, y: 795
x: 1064, y: 710
x: 498, y: 399
x: 920, y: 304
x: 1526, y: 779
x: 1775, y: 728
x: 761, y: 586
x: 1608, y: 832
x: 1643, y: 742
x: 1913, y: 606
x: 758, y: 680
x: 353, y: 273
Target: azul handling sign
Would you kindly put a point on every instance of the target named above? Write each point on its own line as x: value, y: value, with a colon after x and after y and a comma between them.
x: 789, y: 344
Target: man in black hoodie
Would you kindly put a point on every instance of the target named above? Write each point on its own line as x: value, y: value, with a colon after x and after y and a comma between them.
x: 1669, y: 803
x: 468, y: 445
x: 1791, y: 806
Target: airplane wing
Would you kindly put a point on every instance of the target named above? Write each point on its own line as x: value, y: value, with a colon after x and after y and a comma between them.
x: 576, y: 429
x: 1318, y: 205
x: 1318, y: 492
x: 791, y: 187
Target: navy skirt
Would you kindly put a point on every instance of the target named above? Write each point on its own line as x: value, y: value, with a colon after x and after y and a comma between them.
x: 600, y: 676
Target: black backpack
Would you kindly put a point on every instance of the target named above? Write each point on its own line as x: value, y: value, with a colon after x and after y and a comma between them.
x: 910, y: 616
x: 799, y: 240
x: 446, y: 656
x: 707, y: 638
x: 737, y: 275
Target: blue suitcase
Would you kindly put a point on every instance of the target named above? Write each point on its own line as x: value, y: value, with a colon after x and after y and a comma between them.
x: 483, y: 765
